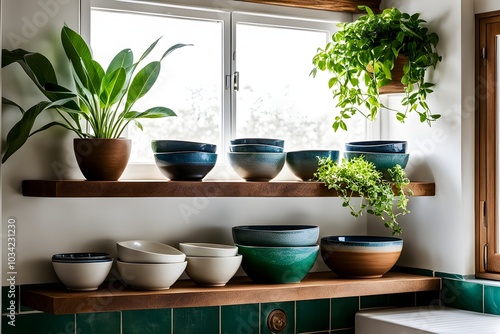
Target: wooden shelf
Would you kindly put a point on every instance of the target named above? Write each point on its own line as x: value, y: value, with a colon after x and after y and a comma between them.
x: 82, y: 188
x: 113, y: 296
x: 330, y: 5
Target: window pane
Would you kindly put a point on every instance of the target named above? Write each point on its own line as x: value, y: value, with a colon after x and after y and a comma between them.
x: 190, y: 82
x: 277, y: 97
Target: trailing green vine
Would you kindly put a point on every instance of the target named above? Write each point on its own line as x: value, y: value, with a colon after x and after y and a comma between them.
x: 387, y: 199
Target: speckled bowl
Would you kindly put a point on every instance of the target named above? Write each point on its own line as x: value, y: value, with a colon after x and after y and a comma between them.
x: 304, y: 164
x: 277, y: 264
x: 255, y: 148
x: 264, y: 141
x: 380, y: 146
x: 185, y: 166
x: 382, y: 161
x: 163, y: 146
x: 276, y: 235
x: 257, y: 166
x: 360, y: 256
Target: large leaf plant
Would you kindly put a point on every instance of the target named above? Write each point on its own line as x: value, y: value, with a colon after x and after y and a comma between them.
x: 361, y: 56
x: 101, y: 102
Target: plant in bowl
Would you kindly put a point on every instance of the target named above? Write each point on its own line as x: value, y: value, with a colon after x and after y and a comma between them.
x: 99, y: 106
x: 359, y: 177
x: 362, y: 55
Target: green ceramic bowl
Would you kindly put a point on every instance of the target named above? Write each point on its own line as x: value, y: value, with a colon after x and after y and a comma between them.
x: 277, y: 264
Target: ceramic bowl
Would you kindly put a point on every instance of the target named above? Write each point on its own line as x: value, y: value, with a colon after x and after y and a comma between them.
x: 164, y: 146
x: 304, y: 164
x: 264, y: 141
x: 382, y: 161
x: 276, y: 235
x: 82, y: 276
x: 185, y: 165
x: 257, y: 166
x: 380, y: 146
x: 143, y: 251
x: 212, y: 271
x: 207, y: 249
x: 360, y: 256
x: 255, y: 148
x: 277, y: 264
x: 81, y: 257
x: 150, y: 276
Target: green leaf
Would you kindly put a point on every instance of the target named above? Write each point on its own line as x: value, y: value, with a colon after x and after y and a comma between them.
x: 113, y: 86
x: 75, y: 48
x: 142, y: 83
x: 123, y: 59
x: 173, y: 48
x: 155, y: 112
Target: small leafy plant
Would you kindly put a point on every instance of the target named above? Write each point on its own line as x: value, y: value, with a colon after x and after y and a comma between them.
x: 103, y: 99
x: 359, y: 177
x: 361, y: 56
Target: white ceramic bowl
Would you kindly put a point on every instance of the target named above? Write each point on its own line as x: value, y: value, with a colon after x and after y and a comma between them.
x: 207, y: 249
x: 82, y: 276
x: 150, y: 276
x: 212, y: 271
x: 143, y: 251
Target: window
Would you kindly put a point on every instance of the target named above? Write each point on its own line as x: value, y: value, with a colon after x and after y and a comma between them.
x: 246, y: 75
x: 487, y: 146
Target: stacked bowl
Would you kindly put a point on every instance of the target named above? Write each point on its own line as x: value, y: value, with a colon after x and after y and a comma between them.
x: 82, y: 271
x: 182, y: 160
x: 277, y: 253
x: 211, y: 264
x: 304, y: 163
x: 257, y: 159
x: 384, y: 154
x: 149, y: 265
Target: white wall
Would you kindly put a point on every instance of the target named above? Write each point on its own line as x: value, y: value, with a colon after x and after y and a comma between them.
x: 47, y: 226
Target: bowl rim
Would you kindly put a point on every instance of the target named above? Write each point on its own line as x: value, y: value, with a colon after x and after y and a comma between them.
x: 376, y: 142
x: 181, y: 141
x: 216, y: 258
x: 278, y: 228
x: 296, y: 248
x: 175, y: 251
x: 377, y: 153
x: 82, y: 256
x: 156, y: 264
x: 208, y: 245
x: 185, y: 153
x: 315, y: 150
x: 362, y: 240
x: 256, y: 153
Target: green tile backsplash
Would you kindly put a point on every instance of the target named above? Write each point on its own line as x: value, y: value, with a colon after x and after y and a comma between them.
x: 321, y: 316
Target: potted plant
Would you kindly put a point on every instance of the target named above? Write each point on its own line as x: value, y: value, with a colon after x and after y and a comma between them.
x: 362, y: 55
x: 97, y: 109
x: 377, y: 195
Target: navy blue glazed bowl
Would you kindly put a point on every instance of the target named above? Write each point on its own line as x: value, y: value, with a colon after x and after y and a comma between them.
x: 264, y: 141
x: 380, y: 146
x: 164, y: 146
x: 255, y: 148
x: 81, y: 257
x: 185, y: 166
x: 304, y: 164
x: 382, y: 161
x: 276, y: 235
x: 360, y: 256
x: 257, y: 166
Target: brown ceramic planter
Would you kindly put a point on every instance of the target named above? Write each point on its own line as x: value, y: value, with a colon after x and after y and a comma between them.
x: 102, y: 159
x: 395, y: 86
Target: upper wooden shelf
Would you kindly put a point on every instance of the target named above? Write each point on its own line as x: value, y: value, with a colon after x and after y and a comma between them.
x: 81, y: 188
x: 330, y: 5
x: 55, y: 299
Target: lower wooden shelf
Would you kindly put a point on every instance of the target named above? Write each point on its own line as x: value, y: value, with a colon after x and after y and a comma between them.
x: 113, y: 296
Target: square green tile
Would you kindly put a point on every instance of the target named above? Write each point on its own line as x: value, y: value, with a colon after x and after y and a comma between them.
x: 427, y: 298
x: 101, y: 322
x: 449, y: 275
x: 343, y: 311
x: 147, y: 321
x: 287, y: 307
x: 240, y: 319
x: 10, y: 296
x: 492, y: 299
x: 312, y: 315
x: 462, y: 294
x: 39, y: 323
x: 195, y: 320
x: 389, y: 300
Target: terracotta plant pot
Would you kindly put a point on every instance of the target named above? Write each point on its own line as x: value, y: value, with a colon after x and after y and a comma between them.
x: 102, y: 159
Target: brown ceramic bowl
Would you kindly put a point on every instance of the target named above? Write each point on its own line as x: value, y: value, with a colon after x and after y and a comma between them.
x: 360, y: 256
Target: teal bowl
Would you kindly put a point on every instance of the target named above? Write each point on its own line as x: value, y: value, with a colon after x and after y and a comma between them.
x: 255, y: 148
x: 380, y: 146
x: 382, y: 161
x: 304, y: 164
x: 165, y: 146
x: 276, y: 235
x: 257, y: 166
x: 277, y: 265
x: 185, y: 166
x: 262, y: 141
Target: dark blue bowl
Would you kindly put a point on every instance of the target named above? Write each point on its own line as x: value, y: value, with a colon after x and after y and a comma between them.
x: 380, y: 146
x: 304, y: 163
x: 264, y: 141
x: 185, y: 166
x: 257, y: 166
x: 276, y: 235
x: 81, y: 257
x: 382, y: 161
x: 164, y: 146
x: 255, y: 148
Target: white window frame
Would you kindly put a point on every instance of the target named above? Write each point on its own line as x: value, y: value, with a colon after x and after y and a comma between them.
x: 229, y: 13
